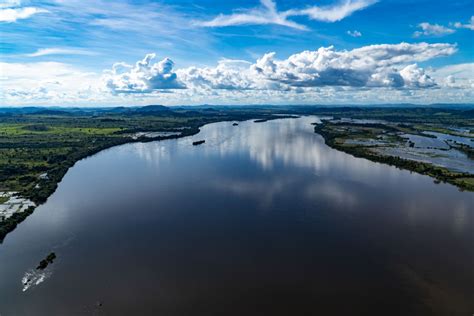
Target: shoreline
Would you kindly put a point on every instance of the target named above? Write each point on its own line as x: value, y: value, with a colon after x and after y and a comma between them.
x: 438, y: 173
x: 47, y: 185
x: 55, y: 177
x: 10, y: 223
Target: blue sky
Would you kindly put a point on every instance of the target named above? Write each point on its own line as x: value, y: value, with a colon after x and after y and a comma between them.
x: 84, y: 52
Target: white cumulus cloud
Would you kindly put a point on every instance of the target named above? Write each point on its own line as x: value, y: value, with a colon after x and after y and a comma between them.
x: 354, y: 33
x: 416, y: 77
x: 387, y: 65
x: 370, y: 66
x: 460, y: 76
x: 11, y: 11
x: 469, y: 25
x: 146, y: 76
x: 228, y: 75
x: 370, y: 74
x: 428, y: 29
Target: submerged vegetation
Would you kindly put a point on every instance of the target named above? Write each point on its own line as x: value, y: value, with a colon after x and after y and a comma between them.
x: 38, y: 146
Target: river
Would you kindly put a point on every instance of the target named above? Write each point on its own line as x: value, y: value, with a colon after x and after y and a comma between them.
x: 261, y: 219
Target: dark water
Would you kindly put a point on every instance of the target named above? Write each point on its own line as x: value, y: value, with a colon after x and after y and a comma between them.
x: 262, y: 219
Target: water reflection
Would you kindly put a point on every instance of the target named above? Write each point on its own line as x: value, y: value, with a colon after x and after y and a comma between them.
x: 332, y: 192
x: 289, y: 142
x: 262, y: 219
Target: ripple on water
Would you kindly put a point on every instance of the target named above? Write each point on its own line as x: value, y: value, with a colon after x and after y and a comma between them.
x: 34, y: 277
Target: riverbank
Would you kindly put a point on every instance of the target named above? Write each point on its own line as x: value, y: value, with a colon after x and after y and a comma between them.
x: 167, y: 213
x: 376, y: 142
x: 39, y: 148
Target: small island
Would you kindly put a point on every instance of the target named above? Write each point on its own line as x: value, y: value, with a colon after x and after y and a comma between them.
x: 199, y: 142
x: 235, y: 124
x: 46, y: 261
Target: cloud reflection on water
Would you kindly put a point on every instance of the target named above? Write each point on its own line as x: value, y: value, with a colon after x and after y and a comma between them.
x: 333, y: 178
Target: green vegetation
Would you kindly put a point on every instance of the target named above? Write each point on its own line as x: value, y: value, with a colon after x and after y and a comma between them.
x: 360, y: 140
x: 421, y: 118
x: 467, y: 183
x: 10, y: 223
x: 469, y: 151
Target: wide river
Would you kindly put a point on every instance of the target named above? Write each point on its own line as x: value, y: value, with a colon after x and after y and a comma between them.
x: 262, y: 219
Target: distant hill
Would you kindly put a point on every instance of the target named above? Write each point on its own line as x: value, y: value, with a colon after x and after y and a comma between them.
x: 144, y: 110
x: 51, y: 112
x: 176, y: 110
x: 154, y: 108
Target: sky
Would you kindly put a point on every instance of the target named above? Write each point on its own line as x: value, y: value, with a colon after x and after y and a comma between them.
x: 187, y: 52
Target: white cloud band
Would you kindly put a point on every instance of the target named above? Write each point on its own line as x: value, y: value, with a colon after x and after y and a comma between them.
x: 269, y: 14
x: 370, y: 66
x: 376, y: 73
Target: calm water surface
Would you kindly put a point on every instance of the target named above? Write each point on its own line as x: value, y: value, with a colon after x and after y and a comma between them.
x: 262, y: 219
